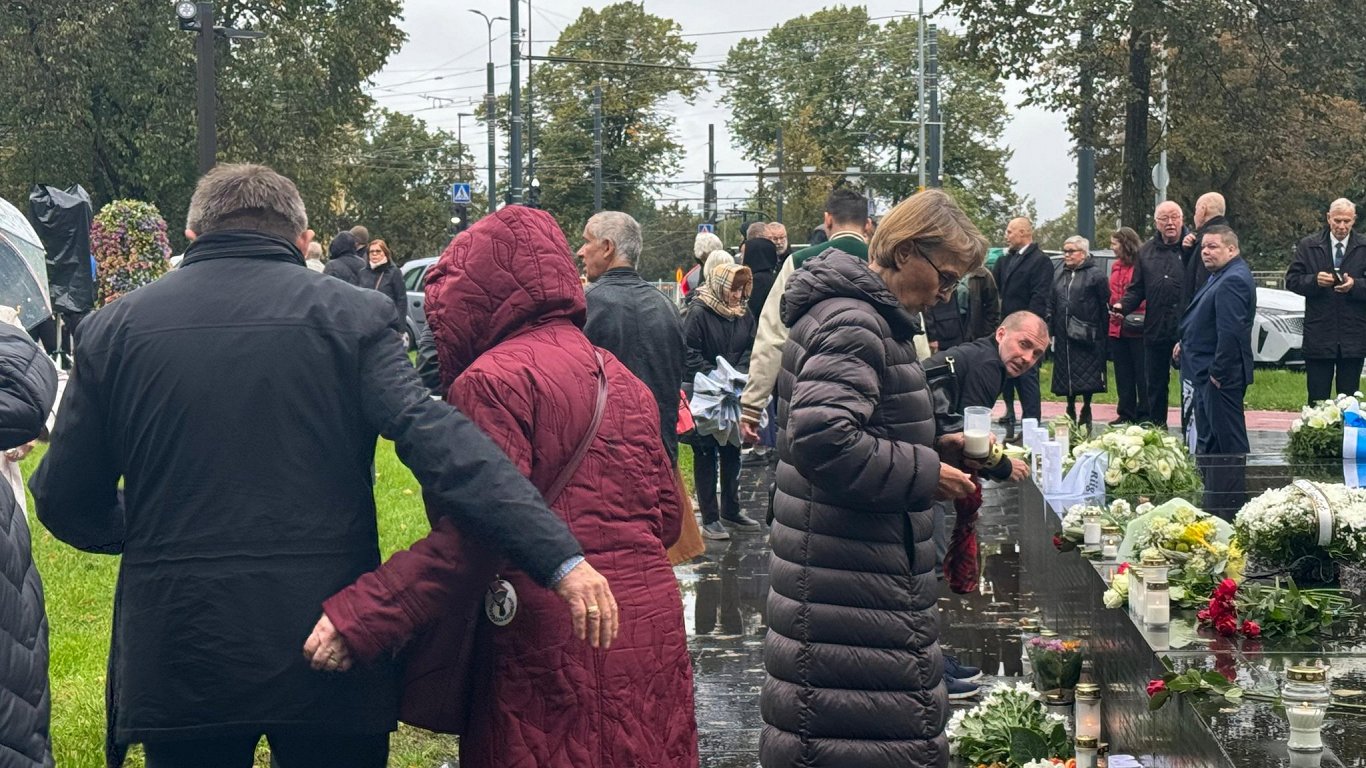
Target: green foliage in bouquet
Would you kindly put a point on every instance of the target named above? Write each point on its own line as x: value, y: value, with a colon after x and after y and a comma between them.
x: 1317, y: 434
x: 1010, y: 727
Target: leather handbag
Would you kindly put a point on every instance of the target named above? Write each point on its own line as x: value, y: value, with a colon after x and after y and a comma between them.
x: 1080, y: 331
x: 1133, y: 323
x: 440, y: 664
x: 942, y: 380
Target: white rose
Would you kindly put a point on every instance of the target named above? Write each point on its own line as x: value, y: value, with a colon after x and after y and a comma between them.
x: 1132, y: 465
x: 1113, y: 476
x: 1144, y: 508
x: 1296, y: 425
x: 1317, y: 422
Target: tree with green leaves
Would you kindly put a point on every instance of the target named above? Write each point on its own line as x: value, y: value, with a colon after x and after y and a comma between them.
x: 844, y: 88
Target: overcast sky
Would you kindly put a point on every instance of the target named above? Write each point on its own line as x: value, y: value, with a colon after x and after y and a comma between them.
x: 448, y: 42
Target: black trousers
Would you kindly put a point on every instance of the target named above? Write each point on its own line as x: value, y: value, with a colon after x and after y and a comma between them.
x: 1027, y: 385
x: 1221, y: 447
x: 706, y: 454
x: 1131, y: 379
x: 288, y: 749
x: 1157, y: 365
x: 1320, y: 373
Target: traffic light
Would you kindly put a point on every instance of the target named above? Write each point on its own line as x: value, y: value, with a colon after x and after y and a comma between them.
x: 460, y: 218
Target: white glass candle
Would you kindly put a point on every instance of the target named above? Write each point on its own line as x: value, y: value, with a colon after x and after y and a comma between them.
x: 1306, y: 726
x: 1090, y: 531
x: 1087, y: 712
x: 1157, y: 604
x: 976, y: 432
x: 1052, y: 465
x: 1088, y: 749
x: 1138, y: 601
x: 1306, y: 696
x: 1110, y: 540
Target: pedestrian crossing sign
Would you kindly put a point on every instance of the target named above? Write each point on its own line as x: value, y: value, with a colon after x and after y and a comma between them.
x: 460, y: 194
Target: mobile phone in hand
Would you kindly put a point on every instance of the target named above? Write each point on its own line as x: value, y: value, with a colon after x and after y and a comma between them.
x: 1338, y: 279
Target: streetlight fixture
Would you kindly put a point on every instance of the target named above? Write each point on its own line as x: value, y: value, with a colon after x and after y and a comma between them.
x: 489, y: 108
x: 197, y: 17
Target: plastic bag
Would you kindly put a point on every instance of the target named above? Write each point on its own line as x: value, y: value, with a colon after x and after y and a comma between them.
x: 715, y: 403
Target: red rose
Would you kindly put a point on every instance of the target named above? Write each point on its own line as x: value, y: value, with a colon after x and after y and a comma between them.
x: 1203, y: 615
x: 1156, y: 686
x: 1226, y: 625
x: 1123, y: 568
x: 1057, y: 541
x: 1226, y: 590
x: 1251, y: 629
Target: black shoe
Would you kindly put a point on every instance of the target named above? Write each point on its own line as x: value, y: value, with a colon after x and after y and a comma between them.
x: 742, y: 521
x: 1118, y: 422
x: 715, y: 531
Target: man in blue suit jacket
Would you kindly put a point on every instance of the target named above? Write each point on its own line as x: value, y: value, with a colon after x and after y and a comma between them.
x: 1216, y: 359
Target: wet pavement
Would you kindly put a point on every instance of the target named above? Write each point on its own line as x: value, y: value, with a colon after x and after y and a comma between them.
x: 725, y: 592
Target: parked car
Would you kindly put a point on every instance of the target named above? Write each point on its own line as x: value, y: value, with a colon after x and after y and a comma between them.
x: 413, y: 273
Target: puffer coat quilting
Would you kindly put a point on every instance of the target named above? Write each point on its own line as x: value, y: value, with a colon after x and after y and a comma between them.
x: 852, y: 654
x: 1082, y: 294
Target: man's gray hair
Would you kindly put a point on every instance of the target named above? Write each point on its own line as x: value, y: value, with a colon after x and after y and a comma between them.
x: 704, y: 244
x: 246, y: 196
x: 621, y: 229
x: 757, y: 229
x: 1078, y: 240
x: 1342, y: 205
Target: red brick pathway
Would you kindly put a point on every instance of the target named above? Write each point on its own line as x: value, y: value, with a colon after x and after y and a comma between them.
x: 1275, y: 421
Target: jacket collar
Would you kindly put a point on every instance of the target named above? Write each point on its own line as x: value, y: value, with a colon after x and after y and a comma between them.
x: 242, y: 244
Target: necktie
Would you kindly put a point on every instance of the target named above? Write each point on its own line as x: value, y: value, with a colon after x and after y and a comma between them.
x: 1337, y: 257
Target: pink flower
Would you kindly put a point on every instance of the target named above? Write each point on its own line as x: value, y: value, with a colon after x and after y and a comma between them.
x: 1156, y: 686
x: 1251, y: 629
x: 1123, y: 568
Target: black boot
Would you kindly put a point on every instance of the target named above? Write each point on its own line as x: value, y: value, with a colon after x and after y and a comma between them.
x: 1086, y: 418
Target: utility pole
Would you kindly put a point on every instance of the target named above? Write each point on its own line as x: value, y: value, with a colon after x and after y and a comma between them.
x: 490, y: 107
x: 597, y: 148
x: 936, y: 121
x: 1086, y: 153
x: 920, y: 103
x: 530, y: 114
x: 460, y: 139
x: 515, y: 102
x: 198, y: 18
x: 709, y: 181
x: 779, y: 185
x: 1160, y: 176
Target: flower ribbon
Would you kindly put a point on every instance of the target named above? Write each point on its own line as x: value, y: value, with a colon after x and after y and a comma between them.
x: 1321, y: 506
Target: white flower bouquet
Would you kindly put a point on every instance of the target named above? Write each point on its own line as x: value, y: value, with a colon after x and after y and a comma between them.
x: 1317, y: 433
x: 1324, y: 521
x: 1010, y: 727
x: 1144, y: 462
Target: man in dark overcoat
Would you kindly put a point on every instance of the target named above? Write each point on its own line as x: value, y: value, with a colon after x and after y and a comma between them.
x: 1329, y: 271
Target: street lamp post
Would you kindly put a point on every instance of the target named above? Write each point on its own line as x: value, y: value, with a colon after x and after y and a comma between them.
x: 489, y: 108
x: 198, y: 18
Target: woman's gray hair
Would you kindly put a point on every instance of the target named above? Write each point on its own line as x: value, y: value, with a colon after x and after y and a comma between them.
x: 1078, y: 239
x: 246, y: 196
x: 621, y: 229
x: 704, y: 244
x: 716, y: 258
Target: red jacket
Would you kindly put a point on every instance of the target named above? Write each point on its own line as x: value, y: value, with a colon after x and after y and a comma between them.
x: 1120, y: 277
x: 506, y: 307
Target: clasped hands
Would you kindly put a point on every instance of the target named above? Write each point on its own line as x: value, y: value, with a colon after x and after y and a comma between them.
x: 1326, y: 280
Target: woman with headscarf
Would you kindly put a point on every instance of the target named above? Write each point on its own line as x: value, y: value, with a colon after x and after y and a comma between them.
x: 852, y: 653
x: 507, y: 311
x: 761, y: 256
x: 719, y: 325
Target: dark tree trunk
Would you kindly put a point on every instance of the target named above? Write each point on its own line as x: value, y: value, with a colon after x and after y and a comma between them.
x: 1136, y: 188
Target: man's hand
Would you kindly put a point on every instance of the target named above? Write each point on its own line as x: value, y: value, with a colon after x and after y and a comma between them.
x: 1188, y: 241
x: 1176, y: 353
x: 934, y: 346
x: 1215, y: 382
x: 591, y: 605
x: 325, y: 649
x: 1018, y: 470
x: 1324, y: 279
x: 950, y: 448
x: 953, y: 483
x: 1347, y: 283
x: 1116, y: 309
x: 18, y: 453
x: 749, y: 433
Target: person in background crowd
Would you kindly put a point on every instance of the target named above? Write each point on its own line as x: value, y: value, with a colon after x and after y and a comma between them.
x: 715, y: 259
x: 631, y: 318
x: 818, y: 235
x: 1329, y: 271
x: 314, y: 258
x: 1209, y: 212
x: 387, y: 278
x: 1158, y: 286
x: 187, y: 441
x: 720, y: 325
x: 1079, y: 321
x: 761, y: 256
x: 702, y: 245
x: 1126, y: 341
x: 980, y: 304
x: 846, y: 218
x: 777, y: 232
x: 505, y: 305
x: 343, y: 262
x: 362, y: 235
x: 854, y: 667
x: 27, y: 392
x: 1216, y: 358
x: 944, y: 323
x: 1024, y: 277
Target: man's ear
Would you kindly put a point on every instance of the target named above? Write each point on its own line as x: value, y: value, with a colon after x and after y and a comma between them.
x: 190, y: 235
x: 304, y: 239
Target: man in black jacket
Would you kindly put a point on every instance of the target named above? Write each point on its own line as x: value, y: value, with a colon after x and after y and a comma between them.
x: 1024, y: 278
x: 630, y: 318
x: 1329, y: 271
x: 344, y: 262
x: 1209, y: 212
x: 1159, y: 279
x: 210, y: 393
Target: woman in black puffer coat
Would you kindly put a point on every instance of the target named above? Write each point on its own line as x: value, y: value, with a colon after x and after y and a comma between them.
x: 1080, y: 323
x: 385, y: 277
x: 28, y: 387
x: 852, y: 652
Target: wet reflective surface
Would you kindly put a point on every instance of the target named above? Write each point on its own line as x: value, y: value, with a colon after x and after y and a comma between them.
x: 725, y: 591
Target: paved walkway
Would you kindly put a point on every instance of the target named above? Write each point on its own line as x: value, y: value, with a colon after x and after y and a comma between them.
x: 1276, y: 421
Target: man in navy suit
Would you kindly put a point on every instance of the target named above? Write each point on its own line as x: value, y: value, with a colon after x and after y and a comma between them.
x: 1216, y: 359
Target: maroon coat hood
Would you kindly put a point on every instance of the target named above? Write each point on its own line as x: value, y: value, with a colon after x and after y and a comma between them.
x: 509, y: 273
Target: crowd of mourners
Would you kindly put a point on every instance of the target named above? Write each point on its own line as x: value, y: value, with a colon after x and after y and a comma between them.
x: 219, y: 426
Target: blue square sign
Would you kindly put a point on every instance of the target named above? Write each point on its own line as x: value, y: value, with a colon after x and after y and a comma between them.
x: 460, y: 194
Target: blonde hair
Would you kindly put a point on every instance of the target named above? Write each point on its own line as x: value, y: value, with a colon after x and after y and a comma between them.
x: 931, y: 222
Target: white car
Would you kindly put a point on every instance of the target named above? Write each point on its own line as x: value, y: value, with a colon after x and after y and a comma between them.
x: 1278, y: 328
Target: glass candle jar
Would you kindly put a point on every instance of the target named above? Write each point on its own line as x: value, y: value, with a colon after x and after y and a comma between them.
x: 1306, y: 697
x: 1110, y: 539
x: 1138, y: 601
x: 1088, y: 751
x: 1061, y: 434
x: 1087, y: 710
x: 1090, y: 531
x: 1028, y: 628
x: 1157, y: 606
x: 1154, y: 567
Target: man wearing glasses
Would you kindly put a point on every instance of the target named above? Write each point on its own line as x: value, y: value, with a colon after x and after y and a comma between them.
x: 1024, y: 277
x: 1159, y: 279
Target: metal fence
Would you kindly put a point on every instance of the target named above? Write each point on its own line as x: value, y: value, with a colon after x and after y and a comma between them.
x: 1269, y: 279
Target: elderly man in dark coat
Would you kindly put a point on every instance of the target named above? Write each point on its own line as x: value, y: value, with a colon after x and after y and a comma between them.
x: 1159, y: 280
x: 210, y: 393
x: 28, y: 387
x: 1329, y: 271
x: 1024, y: 278
x: 631, y: 318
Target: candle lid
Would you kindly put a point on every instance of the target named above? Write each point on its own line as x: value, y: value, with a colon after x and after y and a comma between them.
x: 1088, y: 691
x: 1047, y: 633
x: 1154, y: 558
x: 1088, y: 742
x: 1307, y: 674
x: 1156, y: 586
x: 1110, y: 529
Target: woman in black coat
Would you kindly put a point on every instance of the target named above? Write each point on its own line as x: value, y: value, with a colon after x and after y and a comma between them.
x: 719, y: 324
x: 1079, y: 321
x: 385, y: 277
x: 761, y: 256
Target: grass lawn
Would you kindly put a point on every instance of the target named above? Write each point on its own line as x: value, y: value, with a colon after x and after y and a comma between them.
x: 1273, y: 389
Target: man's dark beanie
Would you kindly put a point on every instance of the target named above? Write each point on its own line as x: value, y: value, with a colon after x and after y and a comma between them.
x: 343, y: 244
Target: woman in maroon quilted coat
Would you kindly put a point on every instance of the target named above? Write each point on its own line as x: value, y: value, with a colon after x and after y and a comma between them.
x: 506, y: 308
